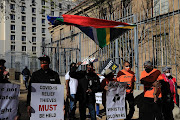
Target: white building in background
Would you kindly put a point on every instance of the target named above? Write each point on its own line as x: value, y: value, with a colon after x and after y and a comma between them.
x: 24, y: 28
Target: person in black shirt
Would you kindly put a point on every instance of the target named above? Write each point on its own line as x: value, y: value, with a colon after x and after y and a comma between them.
x: 44, y: 75
x: 88, y: 85
x: 26, y: 74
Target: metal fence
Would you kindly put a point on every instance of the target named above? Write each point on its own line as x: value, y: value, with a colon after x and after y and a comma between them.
x: 156, y: 38
x: 18, y: 61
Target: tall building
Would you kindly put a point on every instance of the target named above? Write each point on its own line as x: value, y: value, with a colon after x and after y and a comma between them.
x: 24, y: 29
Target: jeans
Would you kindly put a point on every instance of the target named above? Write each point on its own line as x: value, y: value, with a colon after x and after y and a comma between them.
x: 26, y: 78
x: 72, y: 105
x: 92, y: 112
x: 97, y: 109
x: 82, y: 109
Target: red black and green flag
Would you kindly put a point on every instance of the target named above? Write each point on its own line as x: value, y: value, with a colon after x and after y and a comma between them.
x: 102, y: 32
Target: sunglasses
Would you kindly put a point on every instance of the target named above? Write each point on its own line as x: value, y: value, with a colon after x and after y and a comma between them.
x: 128, y: 66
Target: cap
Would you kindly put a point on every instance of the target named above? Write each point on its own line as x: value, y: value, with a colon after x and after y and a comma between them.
x: 2, y: 61
x: 166, y: 68
x: 44, y: 58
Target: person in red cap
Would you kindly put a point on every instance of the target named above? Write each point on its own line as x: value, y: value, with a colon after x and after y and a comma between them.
x: 43, y: 75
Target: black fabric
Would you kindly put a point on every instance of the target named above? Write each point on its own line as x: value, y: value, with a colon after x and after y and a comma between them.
x: 130, y: 100
x: 67, y: 108
x: 151, y: 110
x: 167, y: 109
x: 41, y: 76
x: 83, y: 84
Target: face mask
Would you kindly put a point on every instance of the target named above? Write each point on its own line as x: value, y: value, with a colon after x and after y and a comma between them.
x: 44, y: 66
x: 148, y: 70
x: 168, y: 74
x: 127, y: 68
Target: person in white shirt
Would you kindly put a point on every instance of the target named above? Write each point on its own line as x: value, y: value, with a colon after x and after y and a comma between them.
x: 71, y: 88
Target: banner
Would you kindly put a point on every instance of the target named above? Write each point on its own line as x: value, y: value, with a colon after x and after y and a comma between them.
x: 98, y: 97
x: 9, y: 101
x: 47, y: 101
x: 115, y: 101
x: 109, y: 64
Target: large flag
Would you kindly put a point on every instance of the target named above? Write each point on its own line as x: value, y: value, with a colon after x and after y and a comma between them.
x: 102, y: 32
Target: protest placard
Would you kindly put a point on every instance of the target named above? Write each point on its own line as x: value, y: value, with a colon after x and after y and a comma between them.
x: 9, y: 101
x: 109, y: 64
x: 98, y: 97
x: 115, y: 101
x: 47, y: 101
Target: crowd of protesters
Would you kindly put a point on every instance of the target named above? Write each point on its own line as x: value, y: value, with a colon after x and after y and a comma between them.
x: 155, y: 103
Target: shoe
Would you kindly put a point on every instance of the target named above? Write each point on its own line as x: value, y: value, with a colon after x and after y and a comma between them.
x: 98, y: 116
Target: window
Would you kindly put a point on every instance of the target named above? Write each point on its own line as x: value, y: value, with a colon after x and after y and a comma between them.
x: 12, y: 27
x: 43, y: 21
x: 22, y: 8
x: 52, y: 4
x: 33, y: 29
x: 12, y: 37
x: 68, y: 7
x: 52, y: 13
x: 33, y: 1
x: 23, y: 18
x: 33, y: 10
x: 23, y: 48
x: 43, y: 39
x: 160, y: 7
x: 42, y: 2
x: 43, y: 11
x: 23, y: 38
x: 12, y: 17
x: 33, y: 48
x: 23, y: 28
x: 33, y: 39
x: 12, y: 6
x: 60, y: 5
x: 12, y: 47
x: 43, y: 30
x: 33, y: 19
x: 60, y: 13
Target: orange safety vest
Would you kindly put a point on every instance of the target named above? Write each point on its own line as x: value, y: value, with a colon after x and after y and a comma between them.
x: 129, y: 78
x: 156, y: 75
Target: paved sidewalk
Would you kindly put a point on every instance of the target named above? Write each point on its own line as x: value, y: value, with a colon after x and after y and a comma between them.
x: 24, y: 115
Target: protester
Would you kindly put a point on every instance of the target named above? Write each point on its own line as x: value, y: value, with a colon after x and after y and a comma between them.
x: 44, y: 75
x: 88, y: 85
x: 6, y: 74
x: 26, y: 74
x: 97, y: 105
x: 171, y: 98
x: 4, y: 80
x: 71, y: 88
x: 109, y: 76
x: 152, y: 92
x: 2, y: 77
x: 126, y: 75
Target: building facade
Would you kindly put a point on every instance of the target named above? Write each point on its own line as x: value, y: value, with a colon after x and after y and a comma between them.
x: 156, y: 37
x: 24, y: 30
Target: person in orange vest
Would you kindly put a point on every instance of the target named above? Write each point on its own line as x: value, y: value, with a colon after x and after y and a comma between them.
x: 126, y: 75
x: 151, y: 79
x: 171, y: 95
